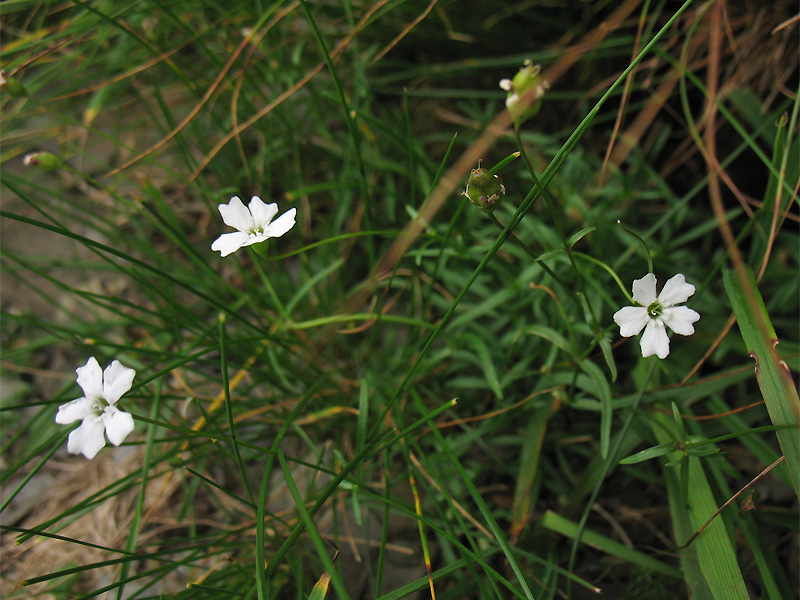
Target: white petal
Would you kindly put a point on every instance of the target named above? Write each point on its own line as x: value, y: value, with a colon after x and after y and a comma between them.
x: 655, y: 339
x: 631, y: 320
x: 229, y: 243
x: 74, y: 411
x: 680, y: 319
x: 262, y: 213
x: 117, y: 379
x: 512, y: 100
x: 88, y: 438
x: 282, y: 224
x: 90, y: 378
x: 505, y: 84
x: 236, y: 215
x: 675, y: 291
x: 118, y: 425
x: 644, y: 290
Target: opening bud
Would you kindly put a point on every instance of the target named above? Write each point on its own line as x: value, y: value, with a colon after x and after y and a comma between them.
x: 43, y: 160
x: 525, y: 92
x: 11, y: 86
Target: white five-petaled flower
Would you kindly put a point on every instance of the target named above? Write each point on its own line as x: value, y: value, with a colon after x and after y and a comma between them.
x: 98, y: 408
x: 655, y: 312
x: 254, y: 223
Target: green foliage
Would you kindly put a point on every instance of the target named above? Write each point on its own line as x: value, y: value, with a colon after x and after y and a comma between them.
x: 406, y: 394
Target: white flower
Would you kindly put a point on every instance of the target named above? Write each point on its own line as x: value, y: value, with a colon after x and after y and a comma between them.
x: 97, y: 409
x: 254, y: 224
x: 655, y: 312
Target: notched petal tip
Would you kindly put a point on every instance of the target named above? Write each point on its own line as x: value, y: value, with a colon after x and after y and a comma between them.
x: 119, y: 424
x: 631, y: 320
x: 73, y: 411
x: 87, y: 439
x: 228, y: 243
x: 680, y: 319
x: 655, y: 340
x: 117, y: 380
x: 90, y: 378
x: 235, y: 214
x: 644, y: 290
x: 262, y: 213
x: 282, y: 224
x: 675, y: 291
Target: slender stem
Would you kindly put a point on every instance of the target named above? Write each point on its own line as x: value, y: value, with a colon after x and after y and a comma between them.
x: 268, y: 286
x: 558, y: 280
x: 518, y: 241
x: 541, y: 263
x: 609, y: 462
x: 641, y: 241
x: 551, y: 204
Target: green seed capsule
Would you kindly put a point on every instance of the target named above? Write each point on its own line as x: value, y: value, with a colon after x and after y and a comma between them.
x: 484, y: 189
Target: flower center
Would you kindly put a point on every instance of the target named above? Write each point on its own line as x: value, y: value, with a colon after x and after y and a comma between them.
x: 654, y: 310
x: 98, y: 407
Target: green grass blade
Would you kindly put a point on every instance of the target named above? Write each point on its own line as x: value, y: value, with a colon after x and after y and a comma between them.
x: 773, y: 376
x: 564, y: 526
x: 319, y: 545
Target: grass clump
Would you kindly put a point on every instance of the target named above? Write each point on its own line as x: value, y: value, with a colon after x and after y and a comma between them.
x: 404, y: 394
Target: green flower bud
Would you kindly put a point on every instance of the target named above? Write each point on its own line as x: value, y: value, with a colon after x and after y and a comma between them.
x: 43, y: 160
x: 484, y: 189
x: 525, y: 92
x: 11, y: 86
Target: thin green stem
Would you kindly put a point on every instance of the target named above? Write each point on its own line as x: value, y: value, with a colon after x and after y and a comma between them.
x: 552, y: 207
x: 349, y: 119
x: 612, y: 459
x: 643, y: 244
x: 223, y: 358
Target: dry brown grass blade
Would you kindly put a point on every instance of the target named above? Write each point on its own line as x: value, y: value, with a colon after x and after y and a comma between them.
x: 720, y: 336
x: 435, y: 485
x: 455, y: 176
x: 709, y: 135
x: 209, y: 92
x: 643, y: 121
x: 122, y: 76
x: 589, y: 41
x: 499, y: 411
x: 624, y: 99
x: 161, y: 496
x: 237, y: 90
x: 288, y: 93
x: 418, y: 510
x: 403, y: 33
x: 731, y: 499
x: 645, y: 118
x: 776, y: 213
x: 786, y: 23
